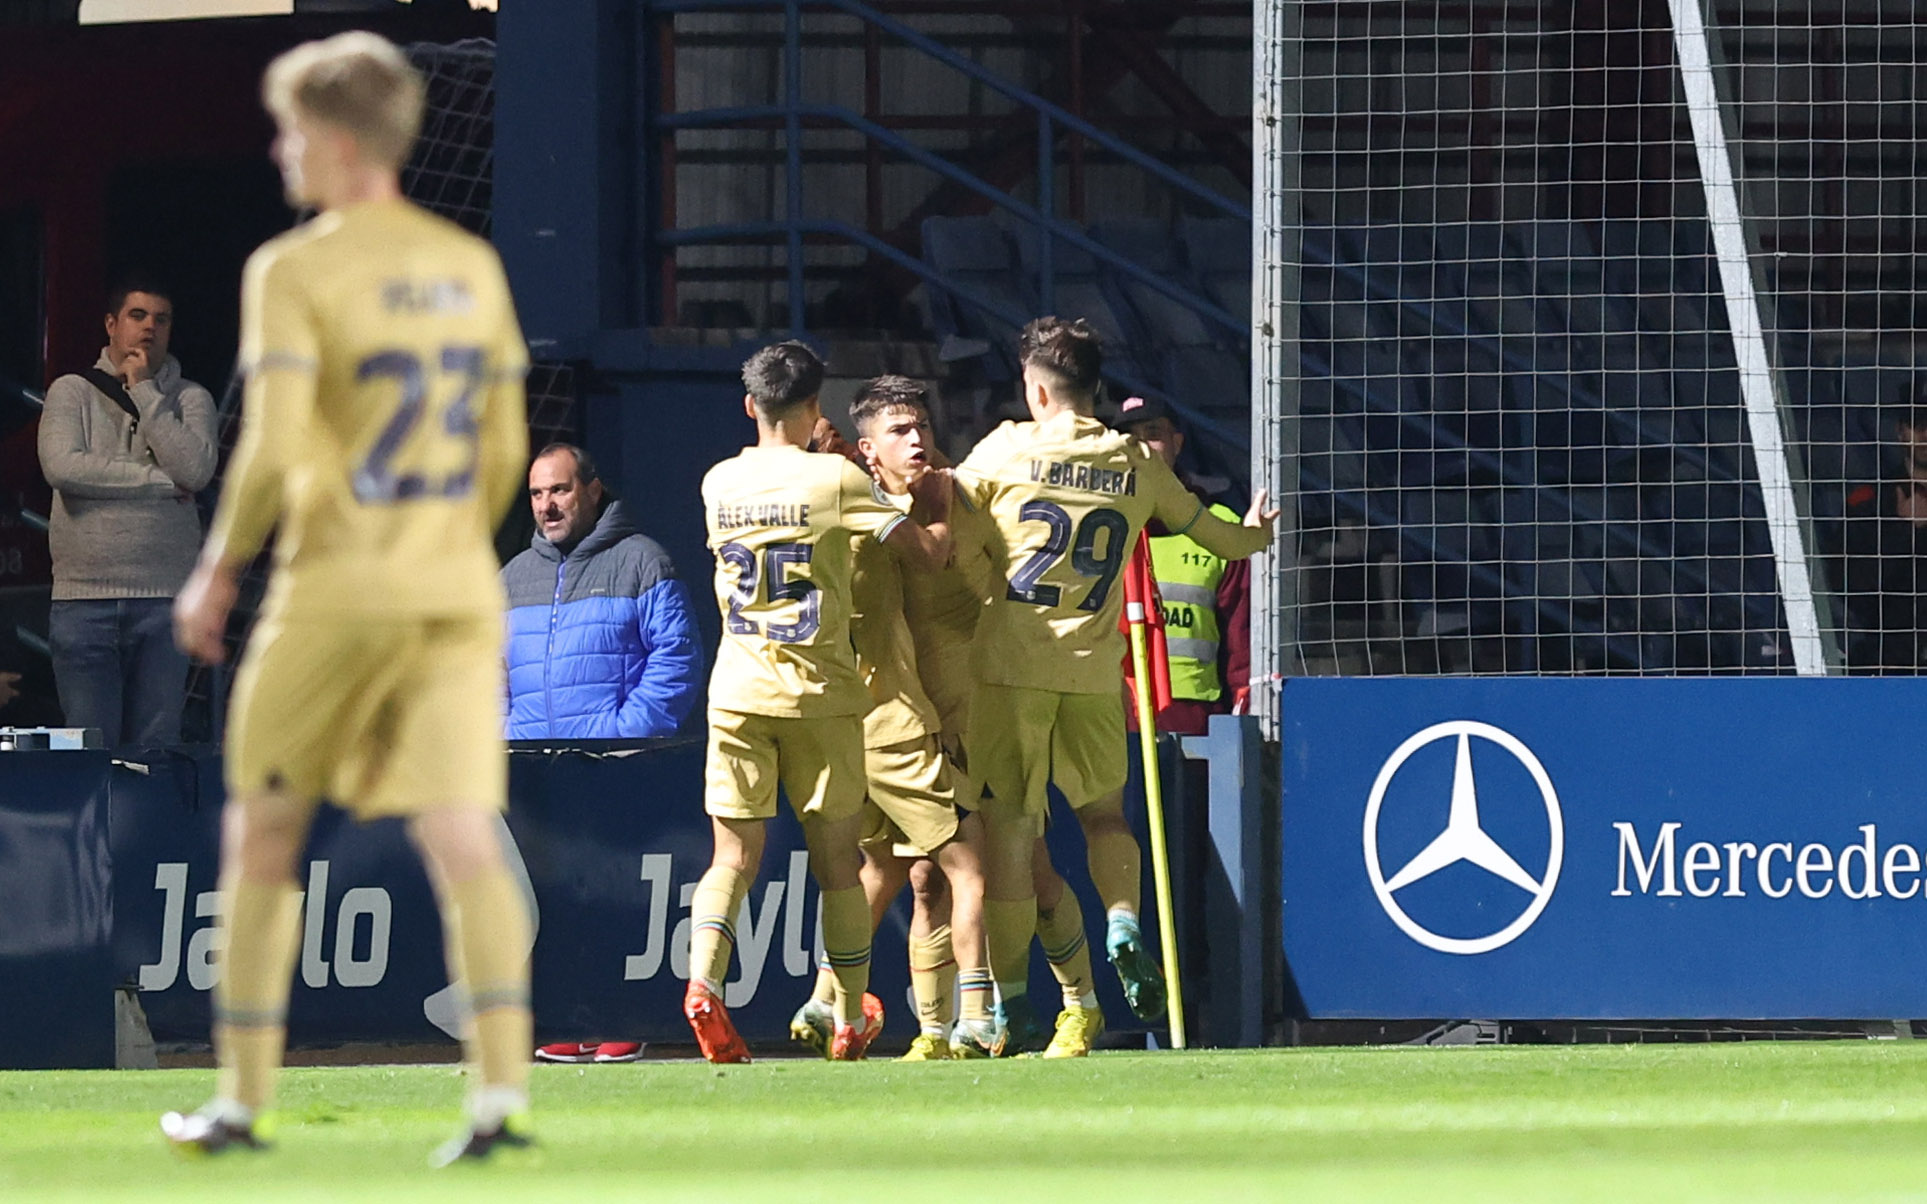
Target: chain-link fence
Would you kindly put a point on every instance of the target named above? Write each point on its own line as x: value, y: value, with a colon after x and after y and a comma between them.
x: 1591, y: 336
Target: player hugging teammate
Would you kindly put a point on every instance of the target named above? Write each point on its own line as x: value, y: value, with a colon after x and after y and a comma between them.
x: 989, y: 647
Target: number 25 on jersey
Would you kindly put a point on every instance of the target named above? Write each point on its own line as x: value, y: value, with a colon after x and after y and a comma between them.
x: 780, y: 587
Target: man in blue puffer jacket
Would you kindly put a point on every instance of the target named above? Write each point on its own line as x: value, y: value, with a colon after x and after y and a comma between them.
x: 601, y: 644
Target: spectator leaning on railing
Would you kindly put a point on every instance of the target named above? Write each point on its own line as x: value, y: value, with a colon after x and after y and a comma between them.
x: 125, y: 445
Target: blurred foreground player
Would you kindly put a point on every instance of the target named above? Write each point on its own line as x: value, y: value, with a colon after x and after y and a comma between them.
x: 1070, y: 496
x: 786, y: 702
x: 385, y: 437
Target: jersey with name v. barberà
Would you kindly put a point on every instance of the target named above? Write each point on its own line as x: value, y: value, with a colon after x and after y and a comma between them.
x: 1069, y: 496
x: 780, y: 523
x: 383, y: 425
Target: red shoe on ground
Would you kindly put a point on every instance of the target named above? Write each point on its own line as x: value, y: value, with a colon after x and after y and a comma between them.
x: 709, y: 1020
x: 618, y: 1051
x: 568, y: 1051
x: 851, y: 1043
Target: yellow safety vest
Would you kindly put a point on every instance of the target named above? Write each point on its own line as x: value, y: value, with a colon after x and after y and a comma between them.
x: 1188, y: 578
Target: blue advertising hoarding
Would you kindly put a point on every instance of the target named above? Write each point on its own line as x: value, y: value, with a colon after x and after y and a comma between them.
x: 109, y: 860
x: 1605, y: 848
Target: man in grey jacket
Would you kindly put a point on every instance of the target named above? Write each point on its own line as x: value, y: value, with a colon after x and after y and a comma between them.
x: 125, y: 445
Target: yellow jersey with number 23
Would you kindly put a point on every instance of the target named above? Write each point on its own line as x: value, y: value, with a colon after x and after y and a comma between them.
x: 383, y: 426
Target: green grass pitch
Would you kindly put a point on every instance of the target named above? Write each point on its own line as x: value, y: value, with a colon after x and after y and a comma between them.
x: 1793, y: 1121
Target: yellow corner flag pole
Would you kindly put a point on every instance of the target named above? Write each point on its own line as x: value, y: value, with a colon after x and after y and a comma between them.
x: 1154, y: 812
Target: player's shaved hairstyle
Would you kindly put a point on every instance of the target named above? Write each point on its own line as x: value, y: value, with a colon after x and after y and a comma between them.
x: 358, y: 82
x: 1067, y: 351
x: 782, y: 375
x: 884, y: 395
x: 585, y: 469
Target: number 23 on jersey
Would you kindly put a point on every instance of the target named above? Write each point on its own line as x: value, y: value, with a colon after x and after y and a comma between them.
x: 389, y: 473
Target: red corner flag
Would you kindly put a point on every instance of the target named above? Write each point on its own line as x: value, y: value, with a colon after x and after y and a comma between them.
x: 1141, y: 599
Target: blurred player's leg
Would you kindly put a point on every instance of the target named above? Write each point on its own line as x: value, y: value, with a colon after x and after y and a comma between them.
x: 261, y: 836
x: 712, y: 915
x: 1060, y: 930
x: 485, y: 927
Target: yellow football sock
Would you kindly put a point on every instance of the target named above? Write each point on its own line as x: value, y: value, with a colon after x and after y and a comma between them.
x: 263, y: 929
x: 712, y: 924
x: 1116, y: 866
x: 930, y: 957
x: 1008, y: 926
x: 1061, y: 931
x: 485, y: 924
x: 846, y: 946
x: 976, y: 995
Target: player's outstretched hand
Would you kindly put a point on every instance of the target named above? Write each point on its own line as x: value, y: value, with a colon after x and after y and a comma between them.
x: 1258, y: 515
x: 201, y: 611
x: 9, y: 687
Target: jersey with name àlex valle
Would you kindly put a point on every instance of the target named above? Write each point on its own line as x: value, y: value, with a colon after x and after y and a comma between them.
x: 780, y: 523
x: 1069, y: 496
x: 384, y: 428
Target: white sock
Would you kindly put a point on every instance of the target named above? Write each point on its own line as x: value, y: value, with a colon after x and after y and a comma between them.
x: 490, y: 1106
x: 1120, y: 913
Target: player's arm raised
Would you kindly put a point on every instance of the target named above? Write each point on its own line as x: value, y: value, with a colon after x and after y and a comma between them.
x: 1184, y: 513
x: 279, y: 353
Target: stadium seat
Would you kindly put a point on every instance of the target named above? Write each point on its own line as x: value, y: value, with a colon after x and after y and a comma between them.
x: 1153, y: 245
x: 977, y: 253
x: 1080, y: 289
x: 1218, y: 251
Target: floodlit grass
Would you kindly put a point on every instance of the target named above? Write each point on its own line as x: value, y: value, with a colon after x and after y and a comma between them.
x: 1752, y: 1122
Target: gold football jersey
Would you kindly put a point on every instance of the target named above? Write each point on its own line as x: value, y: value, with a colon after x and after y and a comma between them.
x: 1069, y: 497
x: 383, y: 426
x: 944, y: 607
x: 886, y: 655
x: 780, y: 521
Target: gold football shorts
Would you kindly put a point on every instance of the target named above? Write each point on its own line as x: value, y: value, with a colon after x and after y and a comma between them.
x: 818, y: 762
x: 380, y: 717
x: 1021, y: 740
x: 910, y: 809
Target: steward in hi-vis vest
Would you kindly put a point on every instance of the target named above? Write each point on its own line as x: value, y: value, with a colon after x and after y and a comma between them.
x: 1207, y: 627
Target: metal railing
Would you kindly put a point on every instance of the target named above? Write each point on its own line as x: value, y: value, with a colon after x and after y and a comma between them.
x: 1053, y: 121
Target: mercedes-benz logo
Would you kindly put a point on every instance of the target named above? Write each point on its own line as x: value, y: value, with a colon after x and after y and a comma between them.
x: 1463, y: 839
